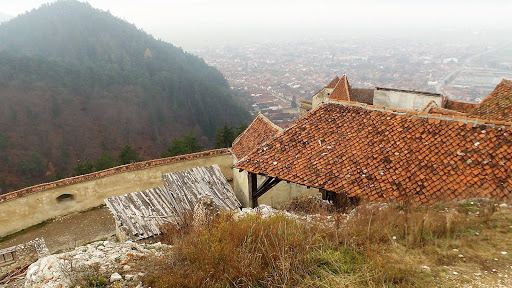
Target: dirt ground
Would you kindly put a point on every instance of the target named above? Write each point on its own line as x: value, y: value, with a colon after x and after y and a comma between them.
x: 68, y: 232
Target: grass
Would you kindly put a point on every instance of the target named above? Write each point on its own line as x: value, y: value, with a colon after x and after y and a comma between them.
x: 375, y: 246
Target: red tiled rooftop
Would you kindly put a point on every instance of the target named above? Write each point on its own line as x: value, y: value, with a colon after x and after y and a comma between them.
x: 458, y: 106
x: 385, y: 155
x: 333, y: 82
x: 258, y: 132
x: 433, y: 108
x: 341, y: 91
x: 498, y: 105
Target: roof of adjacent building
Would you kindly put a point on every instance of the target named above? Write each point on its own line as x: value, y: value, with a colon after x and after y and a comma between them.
x: 463, y: 107
x: 342, y: 90
x: 141, y: 214
x: 362, y: 95
x: 333, y: 82
x: 498, y: 105
x: 385, y: 154
x: 433, y: 108
x: 258, y: 132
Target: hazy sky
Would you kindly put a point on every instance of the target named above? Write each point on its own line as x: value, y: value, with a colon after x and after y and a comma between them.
x: 199, y: 21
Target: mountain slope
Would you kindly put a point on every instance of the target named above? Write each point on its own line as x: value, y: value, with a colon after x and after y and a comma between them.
x: 75, y: 81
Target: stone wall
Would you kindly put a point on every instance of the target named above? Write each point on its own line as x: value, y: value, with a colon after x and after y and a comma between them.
x: 21, y: 256
x: 24, y: 208
x: 408, y: 100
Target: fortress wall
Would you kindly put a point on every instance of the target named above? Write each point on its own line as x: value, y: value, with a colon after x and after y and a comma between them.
x: 24, y: 208
x: 408, y: 100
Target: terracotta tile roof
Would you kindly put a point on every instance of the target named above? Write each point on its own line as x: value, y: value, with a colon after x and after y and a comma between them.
x: 433, y: 108
x: 341, y: 91
x: 362, y: 95
x: 258, y: 132
x: 462, y: 107
x: 333, y: 82
x: 383, y: 155
x: 111, y: 171
x: 498, y: 105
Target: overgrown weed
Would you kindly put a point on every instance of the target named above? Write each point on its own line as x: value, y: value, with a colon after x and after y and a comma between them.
x: 377, y: 245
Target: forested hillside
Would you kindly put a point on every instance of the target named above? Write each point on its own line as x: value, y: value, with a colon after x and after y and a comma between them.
x: 76, y: 82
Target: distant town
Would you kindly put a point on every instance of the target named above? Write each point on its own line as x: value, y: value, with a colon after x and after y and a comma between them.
x: 274, y: 76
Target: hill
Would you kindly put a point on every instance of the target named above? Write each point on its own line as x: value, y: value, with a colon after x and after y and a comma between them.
x: 76, y: 81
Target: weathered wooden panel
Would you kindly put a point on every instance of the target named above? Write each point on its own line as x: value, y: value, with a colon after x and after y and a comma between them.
x: 140, y: 214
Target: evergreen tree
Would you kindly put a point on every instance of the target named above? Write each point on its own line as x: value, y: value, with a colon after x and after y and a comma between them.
x: 32, y: 166
x: 4, y: 139
x: 240, y: 129
x: 186, y: 145
x: 83, y: 167
x: 129, y: 155
x: 191, y: 143
x: 224, y: 137
x: 105, y: 161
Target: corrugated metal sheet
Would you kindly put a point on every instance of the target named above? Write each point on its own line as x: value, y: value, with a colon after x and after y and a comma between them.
x: 140, y: 214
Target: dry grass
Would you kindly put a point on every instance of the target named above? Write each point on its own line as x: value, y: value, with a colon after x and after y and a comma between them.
x: 376, y: 246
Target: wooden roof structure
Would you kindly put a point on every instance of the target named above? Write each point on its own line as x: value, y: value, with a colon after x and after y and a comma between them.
x: 140, y: 215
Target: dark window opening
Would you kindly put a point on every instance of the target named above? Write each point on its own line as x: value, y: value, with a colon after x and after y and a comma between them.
x: 65, y: 197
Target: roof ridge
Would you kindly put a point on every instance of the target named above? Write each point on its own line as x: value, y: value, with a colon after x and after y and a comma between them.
x: 333, y: 82
x: 456, y: 118
x: 346, y: 86
x: 338, y: 90
x: 429, y: 106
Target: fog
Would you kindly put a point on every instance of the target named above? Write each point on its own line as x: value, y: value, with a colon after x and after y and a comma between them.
x: 195, y: 23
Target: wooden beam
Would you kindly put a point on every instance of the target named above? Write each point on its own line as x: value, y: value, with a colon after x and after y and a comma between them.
x: 267, y: 185
x: 253, y: 188
x: 324, y: 194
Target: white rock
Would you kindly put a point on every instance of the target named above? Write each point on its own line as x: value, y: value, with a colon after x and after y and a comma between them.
x: 115, y: 277
x: 126, y: 267
x: 503, y: 205
x: 129, y: 277
x: 504, y: 252
x: 455, y: 273
x: 461, y: 256
x: 425, y: 268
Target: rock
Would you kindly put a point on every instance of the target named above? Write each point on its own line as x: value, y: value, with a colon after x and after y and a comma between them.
x: 115, y: 277
x: 461, y: 256
x: 129, y: 277
x: 504, y: 252
x: 425, y: 268
x: 50, y: 271
x: 503, y: 205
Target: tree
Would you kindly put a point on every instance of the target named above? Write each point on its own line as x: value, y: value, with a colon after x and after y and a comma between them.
x: 4, y: 139
x: 83, y: 167
x: 32, y: 166
x: 241, y: 128
x: 105, y: 161
x: 186, y: 145
x: 129, y: 155
x: 224, y: 137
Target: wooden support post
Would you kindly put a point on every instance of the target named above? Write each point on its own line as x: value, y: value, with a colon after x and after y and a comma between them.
x: 253, y: 189
x: 324, y: 194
